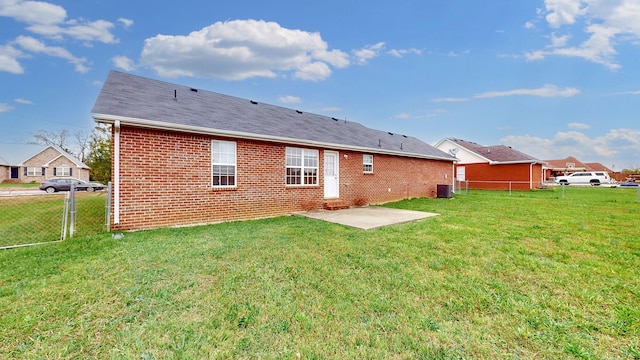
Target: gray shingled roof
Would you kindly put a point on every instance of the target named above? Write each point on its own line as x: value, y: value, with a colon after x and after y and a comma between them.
x: 139, y: 101
x: 496, y: 153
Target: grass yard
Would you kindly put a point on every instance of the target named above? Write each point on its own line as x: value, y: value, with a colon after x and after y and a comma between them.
x: 38, y: 218
x: 527, y: 276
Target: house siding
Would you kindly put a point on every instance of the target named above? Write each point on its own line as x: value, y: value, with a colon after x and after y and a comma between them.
x: 165, y: 180
x: 503, y: 177
x: 46, y: 156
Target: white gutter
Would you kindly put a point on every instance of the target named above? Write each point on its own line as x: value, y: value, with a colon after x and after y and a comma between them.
x: 116, y: 172
x: 159, y: 125
x: 515, y: 162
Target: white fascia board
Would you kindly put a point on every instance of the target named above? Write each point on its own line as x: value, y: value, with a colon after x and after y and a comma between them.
x: 515, y: 162
x: 159, y: 125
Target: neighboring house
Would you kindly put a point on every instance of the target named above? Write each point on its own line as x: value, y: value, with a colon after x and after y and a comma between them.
x: 596, y: 166
x: 34, y: 163
x: 563, y: 167
x: 184, y: 156
x: 496, y: 167
x: 570, y: 165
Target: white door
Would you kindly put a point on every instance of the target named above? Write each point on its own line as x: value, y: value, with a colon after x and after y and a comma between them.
x: 331, y: 174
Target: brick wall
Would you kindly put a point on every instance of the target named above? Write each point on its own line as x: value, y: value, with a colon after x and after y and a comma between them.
x: 393, y: 178
x: 165, y: 180
x: 498, y: 177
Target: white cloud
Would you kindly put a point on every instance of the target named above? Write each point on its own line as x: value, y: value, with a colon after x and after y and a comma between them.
x: 399, y: 53
x: 313, y: 71
x: 32, y: 12
x: 529, y: 25
x: 450, y: 99
x: 125, y: 22
x: 23, y: 101
x: 9, y: 59
x: 546, y: 91
x: 289, y: 99
x: 578, y: 126
x: 33, y: 45
x: 5, y: 107
x: 407, y: 116
x: 563, y: 12
x: 559, y: 41
x: 618, y: 146
x: 368, y: 52
x: 124, y: 63
x: 49, y: 20
x: 242, y: 49
x: 607, y: 23
x: 628, y: 93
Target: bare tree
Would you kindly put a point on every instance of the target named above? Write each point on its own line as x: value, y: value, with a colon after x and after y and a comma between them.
x: 76, y: 145
x: 83, y: 141
x: 56, y: 138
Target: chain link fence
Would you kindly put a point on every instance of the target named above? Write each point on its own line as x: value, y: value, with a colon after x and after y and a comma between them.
x: 29, y: 217
x: 462, y: 187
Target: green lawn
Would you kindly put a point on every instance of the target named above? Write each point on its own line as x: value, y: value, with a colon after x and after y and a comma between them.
x: 19, y: 186
x: 528, y: 276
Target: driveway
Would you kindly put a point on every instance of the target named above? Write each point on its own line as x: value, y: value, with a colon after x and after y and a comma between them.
x: 22, y: 192
x: 369, y: 217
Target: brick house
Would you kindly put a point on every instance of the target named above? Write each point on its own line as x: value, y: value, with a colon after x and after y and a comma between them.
x: 34, y: 163
x: 497, y: 167
x: 184, y: 156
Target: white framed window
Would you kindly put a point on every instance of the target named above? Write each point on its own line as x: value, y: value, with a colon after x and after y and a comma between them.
x: 223, y: 164
x: 62, y: 170
x: 33, y: 171
x: 302, y: 166
x: 367, y: 163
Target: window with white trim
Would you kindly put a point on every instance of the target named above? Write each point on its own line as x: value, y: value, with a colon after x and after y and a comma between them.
x: 33, y: 171
x: 62, y: 170
x: 367, y: 163
x: 302, y: 166
x: 223, y: 164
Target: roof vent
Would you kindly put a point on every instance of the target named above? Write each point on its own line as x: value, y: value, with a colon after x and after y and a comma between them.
x: 194, y: 90
x: 254, y: 102
x: 390, y: 133
x: 334, y: 119
x: 299, y: 112
x: 404, y: 136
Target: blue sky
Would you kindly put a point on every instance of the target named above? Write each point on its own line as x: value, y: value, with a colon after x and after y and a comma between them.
x: 551, y: 78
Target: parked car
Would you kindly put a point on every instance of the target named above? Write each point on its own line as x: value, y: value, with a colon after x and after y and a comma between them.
x: 588, y: 177
x: 64, y: 184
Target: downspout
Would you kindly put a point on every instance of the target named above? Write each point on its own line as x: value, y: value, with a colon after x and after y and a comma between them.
x: 453, y: 176
x: 530, y: 176
x: 116, y: 171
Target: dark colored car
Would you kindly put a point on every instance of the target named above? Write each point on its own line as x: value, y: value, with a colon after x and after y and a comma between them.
x: 53, y: 185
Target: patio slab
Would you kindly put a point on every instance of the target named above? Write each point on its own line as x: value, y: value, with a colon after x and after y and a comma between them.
x: 368, y: 217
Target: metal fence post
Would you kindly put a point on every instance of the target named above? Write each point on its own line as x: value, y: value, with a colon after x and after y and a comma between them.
x: 72, y: 220
x: 466, y: 185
